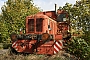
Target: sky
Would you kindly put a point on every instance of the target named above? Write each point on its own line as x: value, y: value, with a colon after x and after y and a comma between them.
x: 45, y: 5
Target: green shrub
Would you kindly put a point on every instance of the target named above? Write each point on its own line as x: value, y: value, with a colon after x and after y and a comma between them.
x: 6, y: 45
x: 1, y: 45
x: 87, y: 37
x: 79, y: 48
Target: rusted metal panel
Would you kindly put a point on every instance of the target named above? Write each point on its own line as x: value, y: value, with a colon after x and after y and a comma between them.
x: 58, y: 37
x: 46, y: 48
x: 23, y: 46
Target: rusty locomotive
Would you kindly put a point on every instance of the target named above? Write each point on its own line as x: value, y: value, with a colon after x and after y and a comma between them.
x: 45, y: 33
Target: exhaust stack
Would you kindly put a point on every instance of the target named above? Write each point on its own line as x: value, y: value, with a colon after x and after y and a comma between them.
x: 56, y: 8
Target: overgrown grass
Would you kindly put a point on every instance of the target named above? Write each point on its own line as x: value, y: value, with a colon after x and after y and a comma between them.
x: 9, y: 56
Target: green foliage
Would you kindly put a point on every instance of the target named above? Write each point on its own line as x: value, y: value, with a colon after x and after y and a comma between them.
x: 79, y: 16
x: 6, y: 45
x: 87, y: 37
x: 13, y: 17
x: 1, y: 45
x: 3, y: 31
x: 79, y: 48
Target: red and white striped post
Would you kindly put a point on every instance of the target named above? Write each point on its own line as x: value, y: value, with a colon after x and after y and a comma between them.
x: 58, y: 46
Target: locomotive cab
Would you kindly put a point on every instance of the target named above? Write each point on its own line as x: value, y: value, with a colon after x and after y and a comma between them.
x: 39, y: 24
x: 61, y: 16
